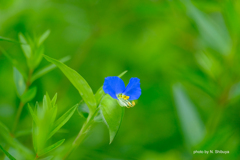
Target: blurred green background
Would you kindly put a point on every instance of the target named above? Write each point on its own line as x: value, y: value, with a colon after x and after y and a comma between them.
x: 186, y: 55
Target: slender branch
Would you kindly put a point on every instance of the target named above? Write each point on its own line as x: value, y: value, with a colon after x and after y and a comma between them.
x: 21, y: 104
x: 19, y: 111
x: 20, y: 108
x: 36, y: 157
x: 82, y: 133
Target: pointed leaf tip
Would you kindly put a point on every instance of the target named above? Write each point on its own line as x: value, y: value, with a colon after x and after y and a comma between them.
x: 7, y: 154
x: 112, y: 115
x: 50, y: 148
x: 62, y: 120
x: 78, y: 82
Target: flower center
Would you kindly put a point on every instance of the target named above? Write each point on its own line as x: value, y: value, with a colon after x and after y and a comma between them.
x: 124, y: 102
x: 124, y: 97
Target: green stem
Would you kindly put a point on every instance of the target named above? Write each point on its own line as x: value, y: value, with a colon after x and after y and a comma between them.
x: 21, y: 104
x: 19, y: 111
x: 82, y: 134
x: 36, y: 157
x: 20, y: 108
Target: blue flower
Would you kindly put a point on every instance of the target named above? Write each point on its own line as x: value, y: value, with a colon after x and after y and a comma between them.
x: 115, y: 87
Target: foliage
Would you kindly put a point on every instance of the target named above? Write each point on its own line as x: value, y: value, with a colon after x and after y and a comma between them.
x: 184, y: 52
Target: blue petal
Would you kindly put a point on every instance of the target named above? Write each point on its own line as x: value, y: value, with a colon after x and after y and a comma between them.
x: 113, y: 86
x: 133, y: 89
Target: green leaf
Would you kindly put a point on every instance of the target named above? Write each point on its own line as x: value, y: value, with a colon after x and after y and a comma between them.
x: 29, y: 95
x: 34, y: 135
x: 25, y: 47
x: 36, y: 58
x: 216, y: 140
x: 34, y: 117
x: 23, y: 133
x: 100, y: 93
x: 15, y: 63
x: 19, y: 81
x: 83, y: 110
x: 47, y: 69
x: 8, y: 40
x: 192, y: 126
x: 50, y: 148
x: 112, y: 114
x: 5, y: 132
x: 62, y: 120
x: 46, y: 103
x: 214, y: 33
x: 54, y: 100
x: 79, y: 83
x: 7, y: 136
x: 34, y: 125
x: 122, y: 74
x: 43, y: 37
x: 7, y: 154
x: 4, y: 129
x: 47, y: 158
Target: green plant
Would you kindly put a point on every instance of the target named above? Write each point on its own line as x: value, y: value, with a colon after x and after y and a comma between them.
x: 94, y: 107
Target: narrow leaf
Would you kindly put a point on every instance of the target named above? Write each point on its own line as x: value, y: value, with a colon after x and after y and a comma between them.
x: 6, y: 135
x: 214, y: 33
x: 46, y: 103
x: 34, y: 136
x: 112, y: 115
x: 62, y: 120
x: 83, y: 110
x: 192, y: 126
x: 7, y: 154
x: 3, y: 128
x: 122, y: 74
x: 54, y: 100
x: 19, y: 81
x: 50, y: 148
x: 43, y: 37
x: 47, y: 69
x: 34, y: 117
x: 29, y: 95
x: 15, y: 144
x: 79, y: 83
x: 47, y: 158
x: 23, y: 133
x: 36, y: 57
x: 25, y: 47
x: 99, y: 95
x: 34, y: 125
x: 15, y: 63
x: 8, y: 40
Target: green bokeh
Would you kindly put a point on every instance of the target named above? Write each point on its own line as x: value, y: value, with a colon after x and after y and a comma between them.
x: 166, y: 43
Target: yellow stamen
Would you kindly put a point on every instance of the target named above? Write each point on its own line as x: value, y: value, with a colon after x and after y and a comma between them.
x: 120, y: 96
x: 123, y: 96
x: 133, y: 104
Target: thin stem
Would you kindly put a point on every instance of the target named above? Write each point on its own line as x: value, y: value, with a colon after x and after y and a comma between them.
x: 82, y: 134
x: 29, y: 78
x: 19, y: 111
x: 20, y: 107
x: 36, y: 157
x: 21, y: 104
